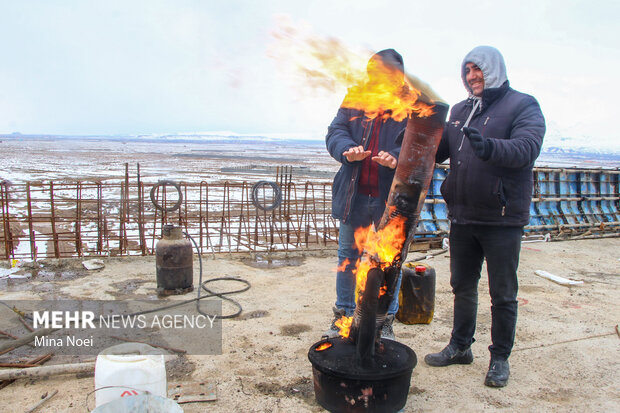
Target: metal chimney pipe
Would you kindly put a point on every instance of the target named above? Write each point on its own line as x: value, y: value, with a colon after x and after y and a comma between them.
x: 414, y: 171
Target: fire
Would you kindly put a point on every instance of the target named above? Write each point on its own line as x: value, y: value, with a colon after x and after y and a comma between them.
x: 326, y: 63
x: 382, y: 290
x: 323, y: 346
x: 344, y: 324
x: 382, y: 247
x: 386, y: 93
x: 343, y: 266
x: 386, y: 243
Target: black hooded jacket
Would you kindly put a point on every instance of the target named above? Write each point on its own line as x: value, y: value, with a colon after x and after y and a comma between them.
x: 497, y: 191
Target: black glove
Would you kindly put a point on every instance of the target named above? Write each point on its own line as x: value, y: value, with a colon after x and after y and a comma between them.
x: 482, y: 146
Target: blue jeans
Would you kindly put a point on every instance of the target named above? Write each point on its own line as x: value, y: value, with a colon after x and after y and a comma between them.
x: 365, y: 211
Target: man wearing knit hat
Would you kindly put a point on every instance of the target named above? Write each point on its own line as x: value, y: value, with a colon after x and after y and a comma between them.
x: 367, y: 149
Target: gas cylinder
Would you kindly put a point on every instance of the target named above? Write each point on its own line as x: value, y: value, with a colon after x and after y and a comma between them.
x: 174, y: 260
x: 416, y: 299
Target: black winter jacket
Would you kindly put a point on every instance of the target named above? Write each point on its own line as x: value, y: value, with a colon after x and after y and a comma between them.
x: 497, y: 191
x: 347, y: 130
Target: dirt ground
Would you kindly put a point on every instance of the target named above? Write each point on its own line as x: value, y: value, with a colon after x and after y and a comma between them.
x: 566, y: 355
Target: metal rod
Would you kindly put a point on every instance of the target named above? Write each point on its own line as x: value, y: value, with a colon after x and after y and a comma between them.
x: 46, y: 371
x: 33, y: 245
x: 141, y: 212
x: 78, y: 219
x: 79, y: 223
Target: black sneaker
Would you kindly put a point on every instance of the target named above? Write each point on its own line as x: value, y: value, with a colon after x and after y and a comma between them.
x: 333, y: 330
x: 449, y: 355
x: 499, y: 371
x: 387, y: 331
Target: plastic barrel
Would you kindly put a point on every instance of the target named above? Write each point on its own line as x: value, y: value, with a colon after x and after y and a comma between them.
x: 417, y: 294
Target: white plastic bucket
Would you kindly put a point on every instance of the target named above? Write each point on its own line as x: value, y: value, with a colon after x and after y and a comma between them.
x: 129, y: 369
x: 143, y: 403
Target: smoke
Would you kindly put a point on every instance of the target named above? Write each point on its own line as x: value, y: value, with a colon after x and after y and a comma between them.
x: 314, y: 63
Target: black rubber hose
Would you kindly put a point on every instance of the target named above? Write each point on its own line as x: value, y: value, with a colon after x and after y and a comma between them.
x: 365, y: 345
x: 277, y: 198
x: 202, y: 284
x: 164, y: 183
x: 222, y: 295
x: 391, y: 277
x: 215, y: 294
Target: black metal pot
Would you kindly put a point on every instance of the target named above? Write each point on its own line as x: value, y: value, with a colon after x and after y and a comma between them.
x: 342, y: 385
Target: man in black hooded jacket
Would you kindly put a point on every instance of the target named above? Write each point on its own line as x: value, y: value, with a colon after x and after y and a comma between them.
x: 492, y: 139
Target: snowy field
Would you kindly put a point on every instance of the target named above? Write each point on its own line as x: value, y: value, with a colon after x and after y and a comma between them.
x: 188, y: 160
x: 196, y: 158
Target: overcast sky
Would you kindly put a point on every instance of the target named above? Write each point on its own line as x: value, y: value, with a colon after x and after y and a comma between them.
x: 157, y: 66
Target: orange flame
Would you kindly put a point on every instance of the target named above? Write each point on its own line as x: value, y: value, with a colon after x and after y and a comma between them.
x: 323, y: 346
x: 386, y: 243
x: 326, y: 63
x: 344, y: 324
x: 385, y: 89
x: 382, y: 247
x: 342, y: 267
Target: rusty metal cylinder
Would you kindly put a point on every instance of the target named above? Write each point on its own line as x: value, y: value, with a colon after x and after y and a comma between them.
x: 175, y: 262
x: 414, y: 172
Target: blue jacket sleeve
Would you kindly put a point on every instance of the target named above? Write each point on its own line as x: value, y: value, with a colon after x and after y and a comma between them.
x: 339, y: 137
x: 395, y: 152
x: 523, y: 145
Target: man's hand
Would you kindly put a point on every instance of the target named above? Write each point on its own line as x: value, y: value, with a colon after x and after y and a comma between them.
x: 385, y: 159
x: 356, y: 153
x: 482, y: 146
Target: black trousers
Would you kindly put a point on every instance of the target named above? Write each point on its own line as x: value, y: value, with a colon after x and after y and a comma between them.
x: 469, y: 246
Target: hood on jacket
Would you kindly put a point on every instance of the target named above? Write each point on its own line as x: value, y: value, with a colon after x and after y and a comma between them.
x: 491, y: 62
x: 389, y: 58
